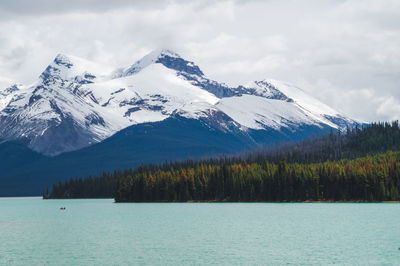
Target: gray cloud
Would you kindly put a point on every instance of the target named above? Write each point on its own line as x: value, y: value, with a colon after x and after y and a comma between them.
x: 343, y: 52
x: 42, y: 7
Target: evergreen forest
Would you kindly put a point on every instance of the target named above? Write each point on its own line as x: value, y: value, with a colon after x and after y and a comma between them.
x: 361, y: 164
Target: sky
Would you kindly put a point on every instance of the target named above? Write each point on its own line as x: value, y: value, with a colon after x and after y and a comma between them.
x: 345, y: 53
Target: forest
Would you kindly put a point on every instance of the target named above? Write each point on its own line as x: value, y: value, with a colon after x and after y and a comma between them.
x: 353, y: 166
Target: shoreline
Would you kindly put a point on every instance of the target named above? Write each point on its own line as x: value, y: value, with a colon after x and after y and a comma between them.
x: 227, y: 201
x: 306, y: 201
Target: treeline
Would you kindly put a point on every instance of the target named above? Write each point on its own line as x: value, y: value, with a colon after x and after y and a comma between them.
x: 303, y: 160
x: 372, y: 178
x: 356, y: 142
x: 90, y: 187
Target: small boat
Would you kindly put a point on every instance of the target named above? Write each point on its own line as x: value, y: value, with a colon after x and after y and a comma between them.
x: 63, y: 208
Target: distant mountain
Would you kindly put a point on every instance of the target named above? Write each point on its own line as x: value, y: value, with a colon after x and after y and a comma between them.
x: 160, y: 108
x: 76, y: 103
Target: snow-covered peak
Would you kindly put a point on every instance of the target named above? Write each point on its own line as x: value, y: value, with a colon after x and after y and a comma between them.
x: 165, y: 52
x: 72, y: 68
x: 146, y: 61
x: 63, y: 59
x: 152, y: 94
x: 165, y: 57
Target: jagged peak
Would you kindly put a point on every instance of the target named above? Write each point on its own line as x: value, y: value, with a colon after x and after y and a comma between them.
x: 66, y: 59
x: 165, y: 57
x: 157, y: 53
x: 147, y: 60
x: 62, y: 57
x: 63, y: 60
x: 68, y: 67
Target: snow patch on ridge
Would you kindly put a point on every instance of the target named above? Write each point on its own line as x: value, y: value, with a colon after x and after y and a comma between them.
x: 303, y: 99
x: 260, y: 113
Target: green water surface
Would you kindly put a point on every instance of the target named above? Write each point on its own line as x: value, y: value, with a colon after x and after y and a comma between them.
x: 101, y: 232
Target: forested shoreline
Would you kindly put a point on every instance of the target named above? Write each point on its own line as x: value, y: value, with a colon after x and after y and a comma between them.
x: 373, y: 178
x: 314, y: 170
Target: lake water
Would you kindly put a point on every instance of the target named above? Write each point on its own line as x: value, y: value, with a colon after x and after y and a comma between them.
x: 100, y: 232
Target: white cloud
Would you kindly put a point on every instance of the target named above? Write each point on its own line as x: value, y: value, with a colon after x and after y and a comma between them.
x: 343, y: 52
x: 390, y: 107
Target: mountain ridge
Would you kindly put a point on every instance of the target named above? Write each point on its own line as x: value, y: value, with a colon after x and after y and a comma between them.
x: 78, y: 98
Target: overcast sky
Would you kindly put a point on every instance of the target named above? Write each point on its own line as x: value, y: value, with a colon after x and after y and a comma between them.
x: 345, y: 53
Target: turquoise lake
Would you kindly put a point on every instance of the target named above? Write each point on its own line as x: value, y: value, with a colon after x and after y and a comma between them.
x: 101, y: 232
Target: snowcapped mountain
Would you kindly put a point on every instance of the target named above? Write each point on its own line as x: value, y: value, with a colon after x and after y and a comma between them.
x: 76, y: 103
